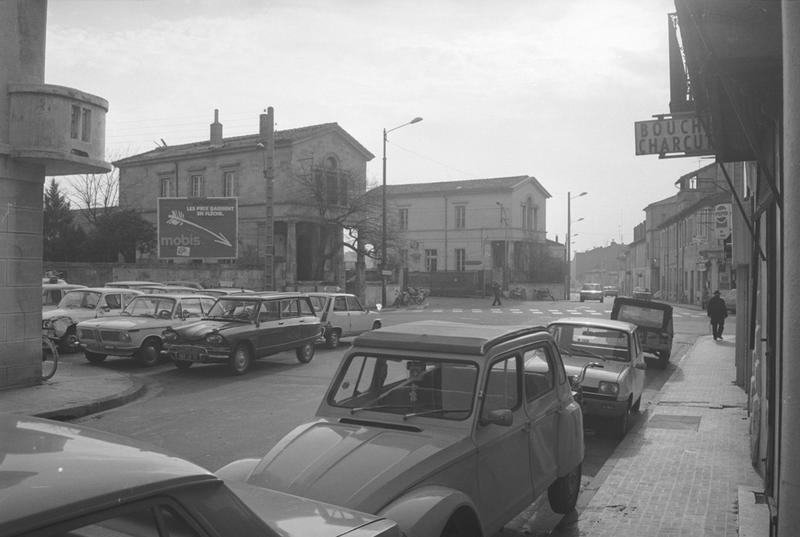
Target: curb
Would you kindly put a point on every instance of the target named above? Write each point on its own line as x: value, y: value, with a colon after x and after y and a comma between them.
x: 84, y: 409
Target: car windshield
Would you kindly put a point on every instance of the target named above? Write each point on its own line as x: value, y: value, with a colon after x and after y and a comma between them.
x: 642, y: 316
x: 595, y: 342
x: 80, y: 299
x: 150, y: 306
x: 409, y: 387
x: 318, y: 302
x: 591, y: 287
x: 233, y: 309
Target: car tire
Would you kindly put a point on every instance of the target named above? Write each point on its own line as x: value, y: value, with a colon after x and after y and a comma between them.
x: 637, y: 405
x: 376, y: 325
x: 563, y: 493
x: 619, y: 424
x: 305, y: 353
x: 240, y: 359
x: 148, y: 354
x: 182, y: 364
x: 94, y: 357
x: 332, y: 339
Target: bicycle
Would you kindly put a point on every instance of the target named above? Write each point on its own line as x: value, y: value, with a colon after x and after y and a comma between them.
x: 49, y: 358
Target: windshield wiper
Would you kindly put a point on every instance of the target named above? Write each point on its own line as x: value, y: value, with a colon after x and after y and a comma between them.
x: 377, y: 407
x: 435, y: 411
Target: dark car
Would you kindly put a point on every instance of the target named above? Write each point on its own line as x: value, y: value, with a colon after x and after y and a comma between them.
x: 591, y: 291
x: 244, y: 327
x: 642, y: 293
x: 610, y: 290
x: 445, y: 428
x: 64, y: 479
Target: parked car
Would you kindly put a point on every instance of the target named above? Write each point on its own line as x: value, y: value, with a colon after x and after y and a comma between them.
x: 78, y: 305
x: 642, y: 293
x: 184, y: 283
x: 137, y: 331
x: 219, y: 291
x: 52, y: 293
x: 610, y: 290
x: 66, y: 479
x: 445, y: 428
x: 241, y: 328
x: 342, y: 315
x: 160, y: 289
x: 654, y: 320
x: 130, y: 284
x: 591, y: 291
x: 612, y: 387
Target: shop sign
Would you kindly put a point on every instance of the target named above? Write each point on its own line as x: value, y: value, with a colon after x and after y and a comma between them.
x: 722, y: 220
x: 673, y: 136
x: 197, y: 227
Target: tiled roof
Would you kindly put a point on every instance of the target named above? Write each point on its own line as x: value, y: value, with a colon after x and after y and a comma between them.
x: 470, y: 185
x: 248, y: 141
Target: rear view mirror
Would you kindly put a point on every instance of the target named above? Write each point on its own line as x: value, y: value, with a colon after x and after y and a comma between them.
x: 379, y: 307
x: 503, y: 417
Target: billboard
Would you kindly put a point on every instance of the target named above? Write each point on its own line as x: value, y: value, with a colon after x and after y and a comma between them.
x: 197, y: 227
x: 674, y: 136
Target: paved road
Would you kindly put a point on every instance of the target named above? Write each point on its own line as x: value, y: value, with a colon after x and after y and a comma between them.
x: 212, y: 418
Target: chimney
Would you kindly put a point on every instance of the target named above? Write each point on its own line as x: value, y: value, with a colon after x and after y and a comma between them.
x: 263, y: 124
x: 216, y: 130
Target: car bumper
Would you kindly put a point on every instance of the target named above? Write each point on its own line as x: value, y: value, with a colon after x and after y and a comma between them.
x: 116, y: 350
x: 592, y: 405
x: 591, y: 297
x: 195, y: 353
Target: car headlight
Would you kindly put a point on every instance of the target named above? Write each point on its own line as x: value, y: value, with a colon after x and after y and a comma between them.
x: 214, y: 339
x: 169, y: 335
x: 47, y: 324
x: 125, y: 337
x: 610, y: 388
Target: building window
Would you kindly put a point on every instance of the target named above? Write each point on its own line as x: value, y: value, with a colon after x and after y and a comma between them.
x: 197, y: 186
x: 403, y: 219
x: 461, y: 259
x: 229, y: 184
x: 692, y: 184
x: 81, y: 124
x: 431, y: 260
x: 535, y: 219
x: 167, y: 187
x: 461, y: 216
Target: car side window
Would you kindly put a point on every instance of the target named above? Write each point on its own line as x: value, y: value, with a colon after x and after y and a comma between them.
x: 502, y: 386
x: 289, y: 308
x: 538, y: 372
x: 192, y: 307
x: 141, y: 521
x: 340, y: 304
x: 306, y: 309
x: 269, y: 311
x: 353, y: 304
x: 206, y: 303
x: 113, y: 301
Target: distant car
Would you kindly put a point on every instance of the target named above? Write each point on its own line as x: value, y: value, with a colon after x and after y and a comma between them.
x: 591, y: 291
x: 130, y: 284
x: 445, y: 428
x: 160, y: 289
x: 342, y: 315
x: 78, y: 305
x: 642, y: 293
x: 613, y: 384
x: 241, y: 328
x: 52, y: 293
x: 219, y: 291
x: 66, y: 479
x: 184, y: 283
x: 137, y: 331
x: 610, y: 290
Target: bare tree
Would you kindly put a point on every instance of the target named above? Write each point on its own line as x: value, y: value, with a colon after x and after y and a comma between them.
x: 96, y: 194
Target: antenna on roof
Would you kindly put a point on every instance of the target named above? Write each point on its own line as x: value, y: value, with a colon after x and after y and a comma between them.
x: 163, y: 143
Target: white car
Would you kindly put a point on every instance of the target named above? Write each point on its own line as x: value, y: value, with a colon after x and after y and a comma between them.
x: 78, y: 305
x: 137, y: 331
x: 614, y: 361
x: 342, y: 315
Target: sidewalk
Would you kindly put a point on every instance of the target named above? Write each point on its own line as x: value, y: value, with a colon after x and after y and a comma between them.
x: 685, y: 469
x: 75, y: 390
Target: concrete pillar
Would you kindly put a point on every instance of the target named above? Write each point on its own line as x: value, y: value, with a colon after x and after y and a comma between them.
x: 22, y: 57
x: 291, y: 252
x: 789, y: 463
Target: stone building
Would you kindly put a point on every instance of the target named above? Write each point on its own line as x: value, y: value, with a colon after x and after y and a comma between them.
x: 319, y: 170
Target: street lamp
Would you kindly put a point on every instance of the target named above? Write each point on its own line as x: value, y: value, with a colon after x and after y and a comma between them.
x: 383, y: 200
x: 570, y: 197
x: 504, y: 221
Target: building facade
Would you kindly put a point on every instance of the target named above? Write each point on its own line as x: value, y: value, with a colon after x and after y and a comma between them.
x: 319, y: 173
x: 494, y: 225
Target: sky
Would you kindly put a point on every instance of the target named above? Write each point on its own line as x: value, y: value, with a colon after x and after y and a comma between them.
x: 546, y: 88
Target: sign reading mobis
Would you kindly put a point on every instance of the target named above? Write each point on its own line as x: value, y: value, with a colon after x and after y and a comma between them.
x: 197, y: 227
x: 674, y: 136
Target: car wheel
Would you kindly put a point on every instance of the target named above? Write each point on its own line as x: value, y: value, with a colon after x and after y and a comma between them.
x: 69, y: 342
x: 240, y: 360
x: 376, y: 325
x: 563, y: 493
x: 619, y: 424
x: 182, y: 364
x: 332, y: 339
x: 305, y: 353
x: 94, y: 357
x: 637, y: 405
x: 148, y: 354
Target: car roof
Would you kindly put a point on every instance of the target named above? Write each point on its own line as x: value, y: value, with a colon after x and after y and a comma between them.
x: 62, y: 286
x: 443, y: 336
x: 53, y: 467
x: 107, y: 289
x: 176, y: 295
x: 651, y: 304
x: 322, y: 293
x: 596, y: 323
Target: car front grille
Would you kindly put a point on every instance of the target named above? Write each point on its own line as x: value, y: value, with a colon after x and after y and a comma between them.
x: 108, y: 335
x: 83, y: 333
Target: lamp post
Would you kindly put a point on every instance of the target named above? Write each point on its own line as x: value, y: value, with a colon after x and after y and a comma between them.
x: 504, y: 221
x: 383, y: 202
x: 570, y: 197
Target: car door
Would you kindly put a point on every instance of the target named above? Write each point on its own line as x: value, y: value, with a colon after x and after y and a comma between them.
x: 270, y: 333
x: 339, y: 316
x: 360, y: 319
x: 504, y: 472
x: 543, y: 408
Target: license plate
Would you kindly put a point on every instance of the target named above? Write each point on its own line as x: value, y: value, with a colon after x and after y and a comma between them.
x: 188, y: 356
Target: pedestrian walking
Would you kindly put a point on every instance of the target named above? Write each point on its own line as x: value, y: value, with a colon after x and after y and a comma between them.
x: 717, y: 311
x: 497, y: 294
